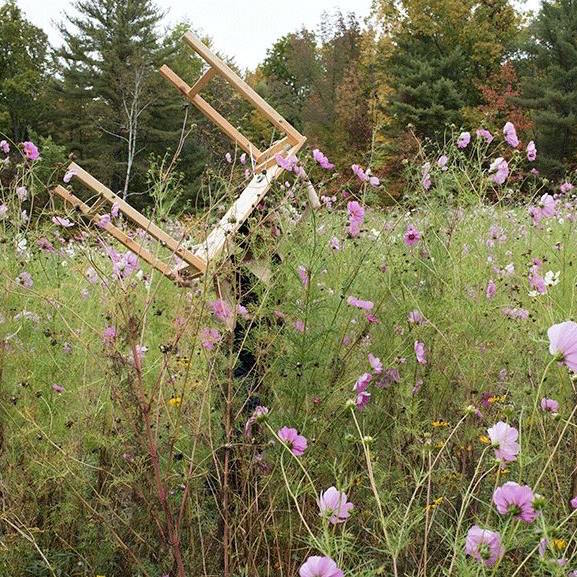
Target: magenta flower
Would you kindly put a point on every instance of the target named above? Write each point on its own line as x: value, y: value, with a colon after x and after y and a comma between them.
x: 442, y: 162
x: 363, y: 396
x: 303, y: 275
x: 484, y: 545
x: 548, y: 206
x: 360, y: 304
x: 375, y: 363
x: 4, y: 147
x: 573, y: 503
x: 322, y: 159
x: 360, y: 173
x: 420, y: 353
x: 356, y: 218
x: 24, y: 279
x: 549, y: 405
x: 563, y: 343
x: 334, y: 506
x: 510, y: 134
x: 412, y: 236
x: 295, y: 442
x: 499, y: 170
x: 31, y: 151
x: 416, y: 317
x: 316, y: 566
x: 464, y: 139
x: 362, y: 400
x: 517, y: 500
x: 531, y: 151
x: 491, y: 289
x: 484, y: 133
x: 61, y: 221
x: 209, y: 338
x: 566, y: 187
x: 109, y: 335
x: 57, y: 388
x: 221, y: 310
x: 68, y: 176
x: 504, y: 439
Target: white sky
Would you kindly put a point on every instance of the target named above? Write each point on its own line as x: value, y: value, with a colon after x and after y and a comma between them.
x: 240, y: 29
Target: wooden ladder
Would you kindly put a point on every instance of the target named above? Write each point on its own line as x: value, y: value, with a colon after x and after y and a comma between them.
x: 195, y: 261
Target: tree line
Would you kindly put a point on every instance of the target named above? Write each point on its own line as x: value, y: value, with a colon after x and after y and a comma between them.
x: 364, y: 92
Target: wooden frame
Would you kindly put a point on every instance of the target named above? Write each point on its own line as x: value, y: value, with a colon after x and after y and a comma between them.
x: 266, y: 170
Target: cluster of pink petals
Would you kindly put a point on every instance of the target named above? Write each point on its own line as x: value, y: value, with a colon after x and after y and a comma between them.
x: 412, y: 236
x: 123, y: 265
x: 426, y: 175
x: 334, y: 505
x: 24, y: 279
x: 303, y: 275
x: 420, y: 353
x: 295, y: 442
x: 504, y: 439
x: 491, y: 289
x: 290, y: 164
x: 356, y: 218
x: 510, y: 134
x: 531, y: 151
x: 485, y: 134
x: 416, y: 317
x: 517, y: 500
x: 31, y: 150
x: 221, y: 310
x: 484, y: 545
x: 322, y: 159
x: 536, y: 280
x: 563, y: 343
x: 463, y: 140
x: 566, y: 187
x: 316, y: 566
x: 516, y: 313
x: 4, y: 147
x: 109, y: 335
x: 363, y: 396
x: 209, y: 338
x: 365, y: 176
x: 549, y: 405
x: 499, y: 170
x: 61, y: 221
x: 360, y: 304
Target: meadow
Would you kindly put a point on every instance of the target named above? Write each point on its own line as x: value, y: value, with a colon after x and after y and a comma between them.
x: 391, y: 394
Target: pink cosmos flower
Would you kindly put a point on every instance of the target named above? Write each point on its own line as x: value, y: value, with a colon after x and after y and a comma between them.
x: 573, y: 503
x: 416, y: 317
x: 31, y: 151
x: 426, y: 181
x: 549, y: 405
x: 316, y: 566
x: 356, y: 218
x: 510, y: 135
x: 115, y: 210
x: 516, y: 313
x: 363, y: 396
x: 209, y: 338
x: 442, y: 162
x: 484, y: 133
x: 299, y: 326
x: 563, y: 343
x: 375, y: 363
x: 258, y: 414
x: 335, y: 244
x: 333, y: 505
x: 221, y: 310
x: 484, y: 545
x: 68, y: 176
x: 61, y: 221
x: 4, y: 147
x: 412, y: 236
x: 243, y: 158
x: 228, y: 157
x: 548, y: 206
x: 109, y: 335
x: 123, y: 265
x: 24, y: 279
x: 517, y: 500
x: 420, y: 353
x: 499, y: 170
x: 531, y: 151
x: 464, y: 139
x: 566, y: 187
x: 22, y: 193
x: 491, y: 289
x: 295, y: 442
x: 360, y: 173
x: 504, y: 439
x: 360, y: 304
x: 57, y: 388
x: 45, y: 245
x: 303, y: 275
x: 322, y: 159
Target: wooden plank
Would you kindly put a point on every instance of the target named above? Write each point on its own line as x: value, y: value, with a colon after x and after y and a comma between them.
x: 135, y: 216
x: 202, y: 82
x: 246, y: 91
x: 113, y: 231
x: 267, y: 158
x: 239, y: 212
x: 213, y: 115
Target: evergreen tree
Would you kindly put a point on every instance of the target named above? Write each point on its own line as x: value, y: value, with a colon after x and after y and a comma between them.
x: 111, y: 92
x: 23, y: 70
x: 550, y: 87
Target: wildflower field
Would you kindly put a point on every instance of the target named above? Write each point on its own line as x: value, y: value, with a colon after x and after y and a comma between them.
x: 392, y: 394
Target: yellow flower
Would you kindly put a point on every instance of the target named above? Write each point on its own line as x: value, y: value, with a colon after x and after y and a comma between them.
x: 435, y: 503
x: 485, y: 440
x: 440, y: 423
x: 175, y: 401
x: 559, y: 544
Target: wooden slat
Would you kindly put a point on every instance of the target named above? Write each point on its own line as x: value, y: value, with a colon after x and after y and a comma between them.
x: 267, y: 158
x: 234, y: 134
x: 113, y: 231
x: 202, y: 82
x: 239, y: 212
x: 135, y: 216
x: 246, y: 91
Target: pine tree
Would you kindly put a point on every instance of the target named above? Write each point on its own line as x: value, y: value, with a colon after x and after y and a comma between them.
x: 23, y: 70
x: 111, y: 91
x: 550, y: 87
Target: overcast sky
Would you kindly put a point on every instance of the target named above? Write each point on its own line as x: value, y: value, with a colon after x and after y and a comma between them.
x: 241, y: 29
